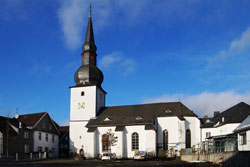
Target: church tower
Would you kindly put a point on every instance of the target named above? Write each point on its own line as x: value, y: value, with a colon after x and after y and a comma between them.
x: 87, y: 96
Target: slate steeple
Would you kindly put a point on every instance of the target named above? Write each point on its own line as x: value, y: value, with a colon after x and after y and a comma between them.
x: 89, y: 74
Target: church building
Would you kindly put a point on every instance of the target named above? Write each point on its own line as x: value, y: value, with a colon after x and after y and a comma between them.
x: 145, y: 127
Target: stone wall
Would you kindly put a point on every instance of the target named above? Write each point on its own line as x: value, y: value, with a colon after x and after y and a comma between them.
x: 228, y: 159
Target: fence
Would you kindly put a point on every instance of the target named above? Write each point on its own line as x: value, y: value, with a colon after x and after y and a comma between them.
x: 26, y: 156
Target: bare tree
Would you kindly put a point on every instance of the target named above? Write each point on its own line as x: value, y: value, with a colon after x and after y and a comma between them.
x: 109, y: 139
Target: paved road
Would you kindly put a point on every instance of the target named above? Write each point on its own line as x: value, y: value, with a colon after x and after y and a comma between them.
x: 98, y: 163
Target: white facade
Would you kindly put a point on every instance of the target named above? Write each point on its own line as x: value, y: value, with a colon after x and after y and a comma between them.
x: 219, y: 130
x: 51, y: 143
x: 84, y: 105
x: 244, y: 141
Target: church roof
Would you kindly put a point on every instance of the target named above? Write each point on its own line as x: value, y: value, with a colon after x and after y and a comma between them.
x: 144, y: 114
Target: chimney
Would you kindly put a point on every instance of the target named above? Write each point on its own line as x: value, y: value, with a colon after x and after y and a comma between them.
x: 216, y: 113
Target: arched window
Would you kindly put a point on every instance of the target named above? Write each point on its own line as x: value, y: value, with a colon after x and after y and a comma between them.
x: 135, y: 141
x: 165, y: 140
x: 105, y: 143
x: 188, y: 138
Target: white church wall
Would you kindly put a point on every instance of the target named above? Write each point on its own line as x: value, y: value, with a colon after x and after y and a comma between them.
x: 150, y: 143
x: 171, y: 125
x: 193, y: 123
x: 100, y: 96
x: 83, y: 107
x: 140, y: 129
x: 77, y: 134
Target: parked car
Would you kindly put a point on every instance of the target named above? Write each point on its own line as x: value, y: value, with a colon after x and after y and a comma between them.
x: 108, y: 156
x: 140, y: 155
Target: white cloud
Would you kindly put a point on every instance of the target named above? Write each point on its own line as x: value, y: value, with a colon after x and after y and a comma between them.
x: 70, y: 15
x: 126, y: 13
x: 119, y: 61
x: 205, y: 103
x: 236, y: 47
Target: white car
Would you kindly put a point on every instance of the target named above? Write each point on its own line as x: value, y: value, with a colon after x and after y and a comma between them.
x: 108, y: 156
x: 140, y: 155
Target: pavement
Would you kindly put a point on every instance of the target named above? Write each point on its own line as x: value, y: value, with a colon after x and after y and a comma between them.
x: 99, y: 163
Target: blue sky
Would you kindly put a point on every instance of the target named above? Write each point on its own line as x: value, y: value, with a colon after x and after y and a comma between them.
x: 197, y: 51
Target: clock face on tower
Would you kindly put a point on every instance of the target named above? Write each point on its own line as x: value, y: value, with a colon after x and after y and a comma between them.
x: 81, y: 105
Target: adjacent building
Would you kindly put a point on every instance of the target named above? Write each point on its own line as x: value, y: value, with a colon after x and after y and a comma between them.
x: 217, y: 133
x: 15, y: 137
x: 243, y: 135
x: 30, y: 133
x: 64, y: 141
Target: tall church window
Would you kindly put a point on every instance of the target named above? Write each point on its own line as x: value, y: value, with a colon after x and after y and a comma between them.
x: 135, y: 141
x: 165, y: 140
x: 82, y: 93
x: 188, y: 138
x: 105, y: 144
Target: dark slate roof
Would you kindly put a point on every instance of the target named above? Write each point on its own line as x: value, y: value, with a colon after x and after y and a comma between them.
x: 139, y: 114
x: 91, y: 129
x: 235, y: 114
x: 245, y: 125
x: 31, y: 119
x: 150, y: 127
x: 208, y: 122
x: 119, y: 128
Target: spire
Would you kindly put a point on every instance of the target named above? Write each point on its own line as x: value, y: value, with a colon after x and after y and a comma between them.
x: 89, y: 73
x: 89, y: 44
x: 90, y: 8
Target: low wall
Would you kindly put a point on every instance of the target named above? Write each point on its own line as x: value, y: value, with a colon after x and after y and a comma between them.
x: 228, y: 159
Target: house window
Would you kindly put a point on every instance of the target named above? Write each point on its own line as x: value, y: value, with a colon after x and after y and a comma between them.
x: 46, y: 149
x: 135, y: 141
x: 208, y: 134
x: 52, y: 151
x: 40, y: 149
x: 188, y: 138
x: 26, y: 148
x: 20, y: 125
x: 40, y: 136
x: 82, y: 93
x: 53, y: 138
x: 243, y: 138
x: 165, y: 140
x: 47, y: 137
x: 50, y: 127
x: 105, y: 143
x: 26, y: 135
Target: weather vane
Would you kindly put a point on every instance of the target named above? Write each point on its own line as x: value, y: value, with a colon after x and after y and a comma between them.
x: 90, y: 7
